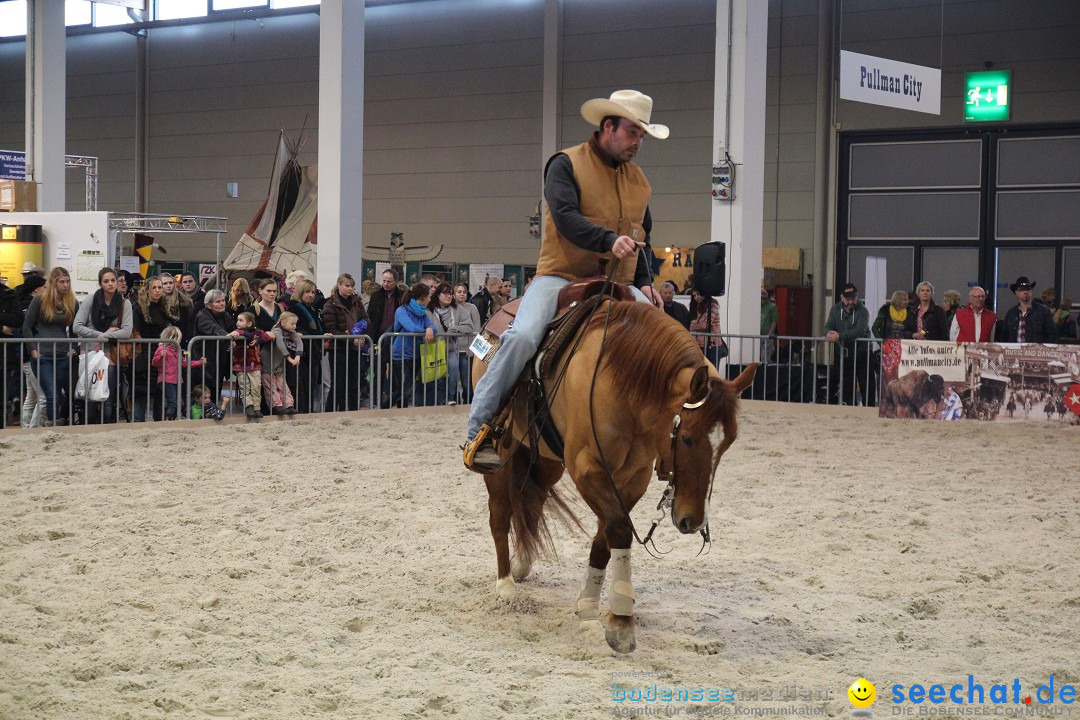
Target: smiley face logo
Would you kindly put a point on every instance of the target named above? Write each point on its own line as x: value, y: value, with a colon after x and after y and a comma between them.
x: 862, y: 693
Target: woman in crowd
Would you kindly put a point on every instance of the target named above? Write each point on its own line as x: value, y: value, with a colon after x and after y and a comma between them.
x: 705, y: 324
x: 122, y: 283
x: 447, y: 316
x: 289, y: 286
x: 151, y: 316
x: 341, y: 315
x: 305, y: 379
x: 240, y: 297
x: 190, y: 289
x: 50, y: 315
x: 179, y: 305
x: 950, y: 303
x: 267, y: 312
x: 892, y: 317
x: 459, y: 378
x: 106, y: 317
x: 927, y: 321
x: 441, y: 313
x: 411, y: 317
x: 214, y: 320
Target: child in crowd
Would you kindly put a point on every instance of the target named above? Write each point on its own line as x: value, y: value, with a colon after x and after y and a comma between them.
x: 202, y: 406
x: 247, y: 363
x: 169, y: 360
x: 286, y: 349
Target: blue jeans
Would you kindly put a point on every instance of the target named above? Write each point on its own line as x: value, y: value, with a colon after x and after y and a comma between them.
x: 519, y: 344
x: 459, y: 371
x: 54, y: 374
x: 172, y: 392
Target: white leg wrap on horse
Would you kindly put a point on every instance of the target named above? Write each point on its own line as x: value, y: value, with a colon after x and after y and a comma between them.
x: 504, y: 587
x: 588, y: 599
x: 621, y: 594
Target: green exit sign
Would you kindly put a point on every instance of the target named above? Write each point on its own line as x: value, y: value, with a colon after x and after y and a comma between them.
x: 986, y: 95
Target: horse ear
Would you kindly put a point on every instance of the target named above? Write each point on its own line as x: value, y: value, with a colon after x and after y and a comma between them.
x: 745, y: 379
x: 699, y: 385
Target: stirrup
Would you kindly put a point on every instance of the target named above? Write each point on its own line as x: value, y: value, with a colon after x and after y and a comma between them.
x: 480, y: 454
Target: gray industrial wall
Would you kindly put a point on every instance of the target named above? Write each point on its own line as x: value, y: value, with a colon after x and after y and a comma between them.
x: 453, y: 106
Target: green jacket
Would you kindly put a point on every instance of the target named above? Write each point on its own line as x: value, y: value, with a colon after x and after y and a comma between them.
x: 849, y: 325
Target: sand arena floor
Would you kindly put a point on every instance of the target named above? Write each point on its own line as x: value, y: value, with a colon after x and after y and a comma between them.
x: 343, y: 568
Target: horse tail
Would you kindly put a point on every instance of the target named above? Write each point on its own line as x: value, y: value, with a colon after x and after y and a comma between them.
x: 533, y: 490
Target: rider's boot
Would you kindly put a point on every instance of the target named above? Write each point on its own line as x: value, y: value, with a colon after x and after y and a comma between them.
x: 480, y: 454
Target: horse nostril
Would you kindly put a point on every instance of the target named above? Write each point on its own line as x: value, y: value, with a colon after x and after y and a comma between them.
x: 684, y: 526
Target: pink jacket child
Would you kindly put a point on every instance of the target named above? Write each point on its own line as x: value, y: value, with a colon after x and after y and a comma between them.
x: 167, y: 360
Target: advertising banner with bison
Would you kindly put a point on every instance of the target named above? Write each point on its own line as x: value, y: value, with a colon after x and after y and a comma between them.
x: 980, y: 381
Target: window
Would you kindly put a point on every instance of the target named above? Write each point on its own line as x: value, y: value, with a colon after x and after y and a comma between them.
x: 174, y: 9
x: 13, y: 18
x: 281, y: 4
x: 77, y: 12
x: 109, y: 15
x: 219, y: 5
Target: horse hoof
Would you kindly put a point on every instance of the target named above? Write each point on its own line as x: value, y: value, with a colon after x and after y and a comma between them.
x: 519, y: 569
x: 620, y: 633
x: 504, y: 588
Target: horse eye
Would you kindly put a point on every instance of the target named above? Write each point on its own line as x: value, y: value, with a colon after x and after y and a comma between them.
x: 687, y: 441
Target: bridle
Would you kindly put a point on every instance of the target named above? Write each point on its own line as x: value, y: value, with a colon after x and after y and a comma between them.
x: 665, y: 474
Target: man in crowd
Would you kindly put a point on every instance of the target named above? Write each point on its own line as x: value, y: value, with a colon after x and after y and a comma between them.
x: 770, y: 318
x: 597, y: 206
x: 973, y: 323
x: 485, y: 299
x: 672, y: 308
x: 381, y: 308
x: 1028, y: 322
x: 30, y: 268
x: 853, y: 364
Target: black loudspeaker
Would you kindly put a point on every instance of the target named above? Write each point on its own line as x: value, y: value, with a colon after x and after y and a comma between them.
x: 710, y: 268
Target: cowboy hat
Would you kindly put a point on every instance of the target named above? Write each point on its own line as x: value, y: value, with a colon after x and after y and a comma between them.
x: 629, y: 104
x: 29, y: 267
x: 1021, y: 281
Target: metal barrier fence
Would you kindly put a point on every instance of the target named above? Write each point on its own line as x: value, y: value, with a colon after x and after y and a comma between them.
x: 802, y: 369
x: 42, y: 378
x: 351, y: 372
x: 324, y: 373
x: 400, y: 371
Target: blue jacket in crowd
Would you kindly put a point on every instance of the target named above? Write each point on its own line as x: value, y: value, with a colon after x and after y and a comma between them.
x: 409, y: 318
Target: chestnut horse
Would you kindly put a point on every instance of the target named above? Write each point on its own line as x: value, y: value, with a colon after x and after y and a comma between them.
x: 634, y: 389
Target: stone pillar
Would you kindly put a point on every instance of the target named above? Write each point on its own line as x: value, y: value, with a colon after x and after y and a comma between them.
x: 341, y: 141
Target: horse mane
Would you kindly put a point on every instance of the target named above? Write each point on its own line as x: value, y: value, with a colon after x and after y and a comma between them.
x: 645, y: 349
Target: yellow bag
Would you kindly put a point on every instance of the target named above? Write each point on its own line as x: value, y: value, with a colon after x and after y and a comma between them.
x: 433, y: 360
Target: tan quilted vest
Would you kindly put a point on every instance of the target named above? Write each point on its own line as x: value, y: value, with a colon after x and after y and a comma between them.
x: 615, y: 198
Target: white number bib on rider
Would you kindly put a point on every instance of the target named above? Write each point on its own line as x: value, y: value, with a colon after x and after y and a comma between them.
x: 480, y: 347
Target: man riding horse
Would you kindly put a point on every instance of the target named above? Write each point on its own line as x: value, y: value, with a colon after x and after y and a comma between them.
x: 597, y: 207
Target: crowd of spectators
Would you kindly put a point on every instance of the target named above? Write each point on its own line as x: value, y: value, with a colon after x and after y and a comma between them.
x: 263, y: 347
x: 286, y: 347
